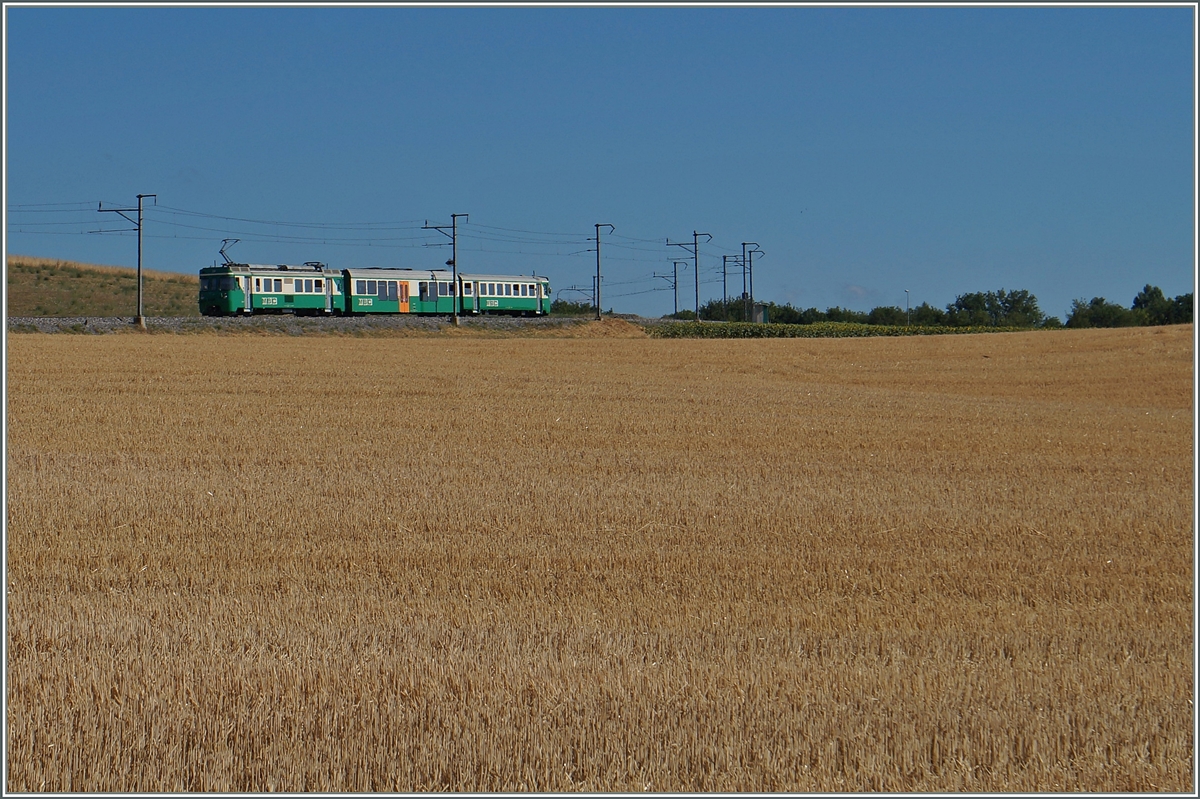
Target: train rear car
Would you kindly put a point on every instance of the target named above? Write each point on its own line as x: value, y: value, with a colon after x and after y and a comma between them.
x: 436, y: 291
x: 518, y: 295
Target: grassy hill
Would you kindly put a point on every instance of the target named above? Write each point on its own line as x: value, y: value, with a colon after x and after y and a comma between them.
x: 48, y: 287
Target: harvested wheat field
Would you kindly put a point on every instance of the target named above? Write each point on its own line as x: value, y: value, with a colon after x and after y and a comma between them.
x: 939, y: 563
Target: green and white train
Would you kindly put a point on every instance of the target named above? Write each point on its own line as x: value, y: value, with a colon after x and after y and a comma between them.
x: 314, y: 289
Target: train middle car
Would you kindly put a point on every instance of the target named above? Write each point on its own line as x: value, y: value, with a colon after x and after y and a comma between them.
x: 315, y: 289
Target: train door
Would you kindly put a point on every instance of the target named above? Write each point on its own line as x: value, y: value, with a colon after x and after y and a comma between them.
x: 245, y: 281
x: 328, y: 294
x: 425, y: 294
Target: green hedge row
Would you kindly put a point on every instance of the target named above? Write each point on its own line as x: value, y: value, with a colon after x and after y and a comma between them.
x: 815, y: 330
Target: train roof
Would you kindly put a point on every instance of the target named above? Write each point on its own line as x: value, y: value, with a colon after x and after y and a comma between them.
x: 310, y: 267
x: 375, y: 272
x: 435, y: 274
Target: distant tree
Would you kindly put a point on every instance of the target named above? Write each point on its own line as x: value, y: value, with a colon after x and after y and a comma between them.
x: 1018, y: 309
x: 735, y: 311
x: 1156, y: 307
x: 1159, y: 310
x: 1102, y: 313
x: 886, y: 315
x: 928, y: 316
x: 998, y: 308
x: 567, y: 308
x: 715, y: 310
x: 969, y: 309
x: 1181, y: 310
x: 785, y: 314
x: 836, y: 314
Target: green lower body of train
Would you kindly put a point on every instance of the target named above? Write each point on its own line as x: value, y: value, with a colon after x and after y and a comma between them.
x: 226, y: 292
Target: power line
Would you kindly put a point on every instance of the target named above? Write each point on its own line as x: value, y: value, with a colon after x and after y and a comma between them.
x: 404, y: 225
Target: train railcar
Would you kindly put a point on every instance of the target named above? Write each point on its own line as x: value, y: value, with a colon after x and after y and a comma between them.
x: 513, y: 294
x: 315, y: 289
x: 382, y: 290
x: 308, y: 290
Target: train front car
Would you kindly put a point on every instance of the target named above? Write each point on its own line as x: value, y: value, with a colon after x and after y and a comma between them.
x: 222, y: 290
x: 308, y: 290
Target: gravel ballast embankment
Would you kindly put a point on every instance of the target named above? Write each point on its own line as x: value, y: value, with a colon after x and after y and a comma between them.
x: 288, y: 324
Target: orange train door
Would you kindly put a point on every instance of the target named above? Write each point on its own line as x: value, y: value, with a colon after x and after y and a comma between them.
x: 403, y: 296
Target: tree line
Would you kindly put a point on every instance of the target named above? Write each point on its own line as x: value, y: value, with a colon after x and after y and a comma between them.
x: 1001, y: 308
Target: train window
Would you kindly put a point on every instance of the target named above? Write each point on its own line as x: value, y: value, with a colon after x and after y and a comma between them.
x: 524, y: 290
x: 319, y: 285
x: 372, y: 286
x: 257, y: 283
x: 307, y: 286
x: 278, y: 284
x: 443, y: 289
x: 467, y: 289
x: 360, y: 287
x: 391, y: 290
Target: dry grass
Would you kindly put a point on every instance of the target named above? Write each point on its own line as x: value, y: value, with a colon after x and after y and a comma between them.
x: 50, y: 287
x: 603, y: 564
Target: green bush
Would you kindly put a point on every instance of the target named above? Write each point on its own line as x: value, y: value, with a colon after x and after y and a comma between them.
x: 814, y: 330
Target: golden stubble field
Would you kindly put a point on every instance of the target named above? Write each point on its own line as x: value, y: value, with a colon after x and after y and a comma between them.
x: 945, y: 563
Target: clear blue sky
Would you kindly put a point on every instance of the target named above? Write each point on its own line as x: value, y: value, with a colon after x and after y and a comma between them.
x: 866, y: 150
